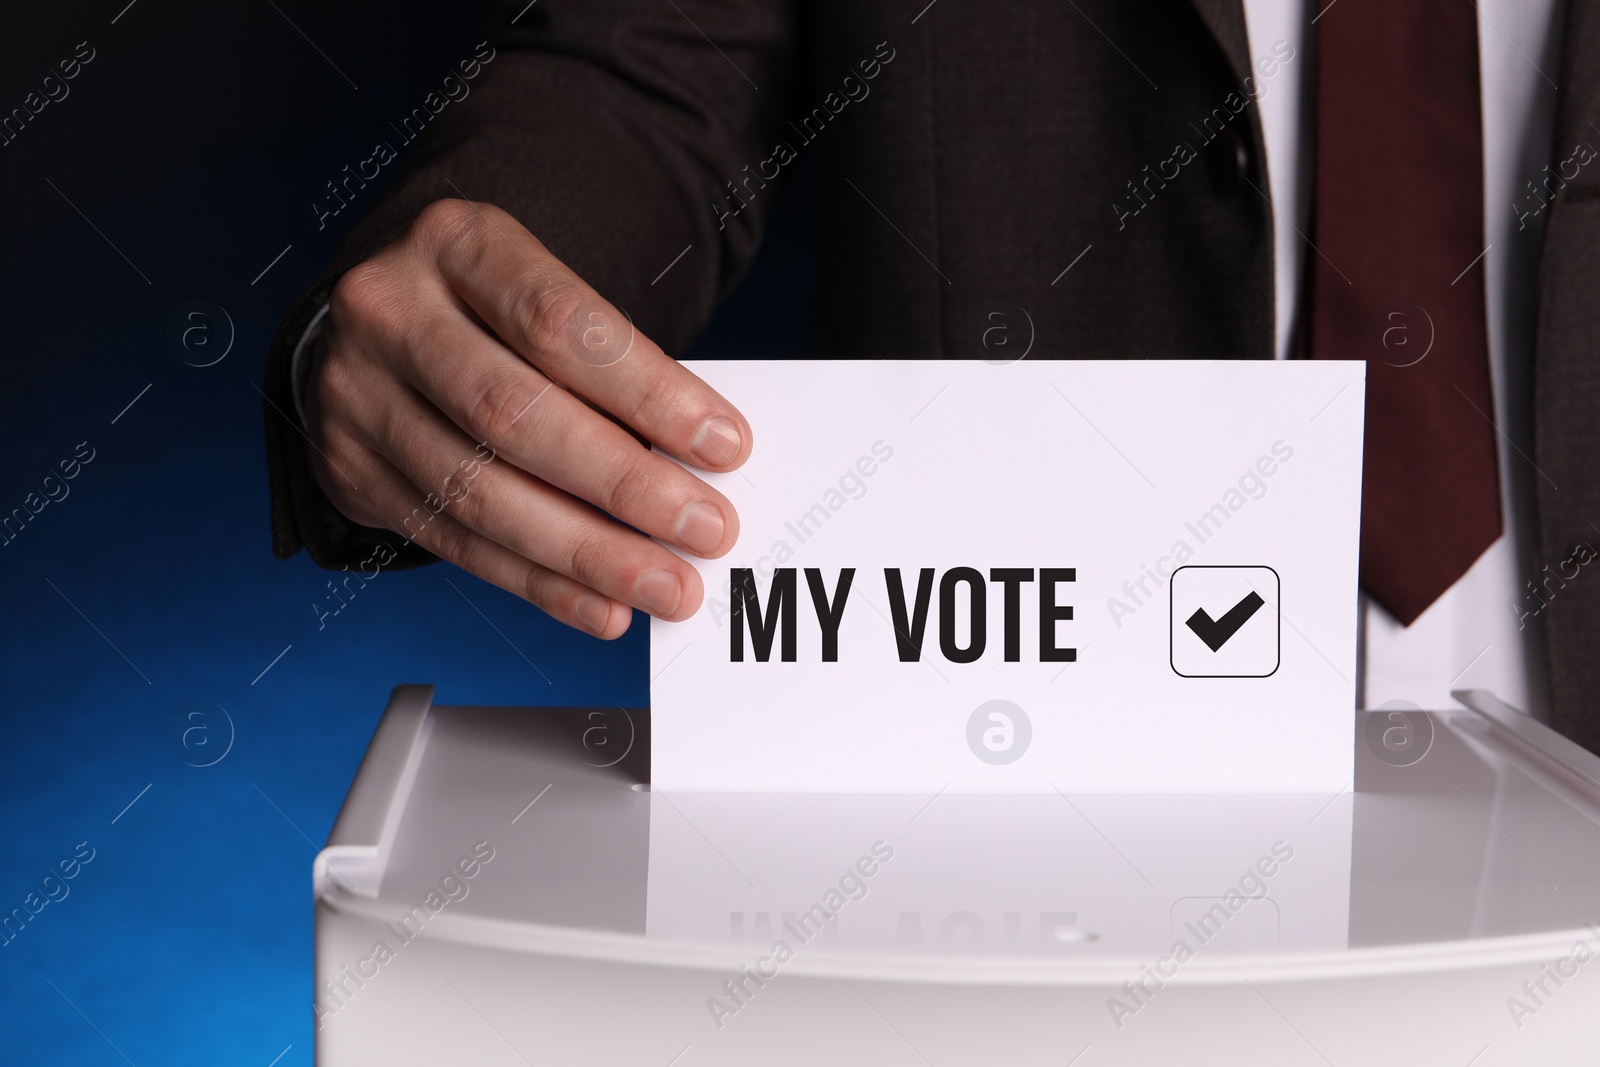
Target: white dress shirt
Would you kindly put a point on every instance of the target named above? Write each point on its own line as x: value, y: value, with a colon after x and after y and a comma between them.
x: 1473, y: 637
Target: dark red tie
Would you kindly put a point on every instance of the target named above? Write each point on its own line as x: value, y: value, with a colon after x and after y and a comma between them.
x: 1397, y: 279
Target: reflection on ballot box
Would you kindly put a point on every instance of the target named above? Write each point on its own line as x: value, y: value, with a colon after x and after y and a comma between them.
x: 974, y: 874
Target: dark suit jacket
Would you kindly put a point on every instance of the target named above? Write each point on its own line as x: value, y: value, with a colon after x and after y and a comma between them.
x: 994, y: 144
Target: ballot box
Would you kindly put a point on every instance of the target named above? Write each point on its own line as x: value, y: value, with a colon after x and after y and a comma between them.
x: 503, y: 886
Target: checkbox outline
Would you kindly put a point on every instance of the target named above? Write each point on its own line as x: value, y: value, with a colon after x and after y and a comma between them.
x: 1172, y: 613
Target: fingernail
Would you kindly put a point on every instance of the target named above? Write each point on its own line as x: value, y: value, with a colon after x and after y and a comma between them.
x: 717, y: 443
x: 700, y: 528
x: 659, y: 593
x: 593, y: 611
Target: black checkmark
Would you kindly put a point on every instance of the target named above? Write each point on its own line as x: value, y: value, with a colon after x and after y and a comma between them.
x: 1215, y: 633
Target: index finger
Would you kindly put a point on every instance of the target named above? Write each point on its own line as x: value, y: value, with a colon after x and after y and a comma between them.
x: 560, y: 325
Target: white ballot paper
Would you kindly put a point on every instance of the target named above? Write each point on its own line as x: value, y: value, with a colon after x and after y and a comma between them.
x: 1094, y: 576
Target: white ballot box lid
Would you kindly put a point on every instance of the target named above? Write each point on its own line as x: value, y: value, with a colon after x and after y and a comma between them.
x: 503, y: 883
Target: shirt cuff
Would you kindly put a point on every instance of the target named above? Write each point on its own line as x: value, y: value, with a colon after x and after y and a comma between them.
x: 300, y: 363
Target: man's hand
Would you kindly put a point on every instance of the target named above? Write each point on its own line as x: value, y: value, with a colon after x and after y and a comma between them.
x: 466, y: 336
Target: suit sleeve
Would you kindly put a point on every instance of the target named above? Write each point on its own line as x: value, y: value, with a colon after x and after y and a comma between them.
x: 612, y: 131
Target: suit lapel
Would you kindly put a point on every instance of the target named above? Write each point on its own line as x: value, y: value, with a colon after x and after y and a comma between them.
x: 1225, y: 20
x: 1566, y: 391
x: 1580, y: 73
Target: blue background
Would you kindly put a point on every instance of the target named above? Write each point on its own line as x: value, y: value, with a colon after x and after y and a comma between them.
x: 141, y: 610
